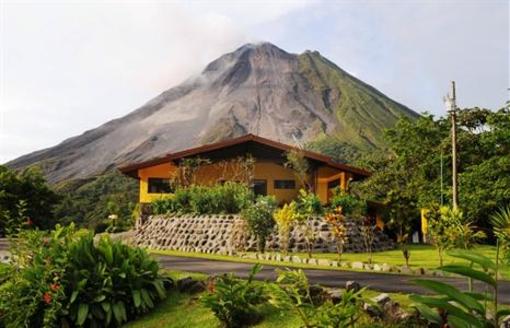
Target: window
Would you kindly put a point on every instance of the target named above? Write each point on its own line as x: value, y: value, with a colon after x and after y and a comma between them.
x: 333, y: 184
x: 159, y: 186
x: 260, y: 187
x: 284, y: 184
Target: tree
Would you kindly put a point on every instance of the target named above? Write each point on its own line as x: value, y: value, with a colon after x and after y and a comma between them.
x: 285, y: 219
x: 30, y: 189
x: 336, y: 219
x: 260, y: 219
x: 88, y: 203
x: 407, y: 176
x: 297, y: 161
x: 308, y: 206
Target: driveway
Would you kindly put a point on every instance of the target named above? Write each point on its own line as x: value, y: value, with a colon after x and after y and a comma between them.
x: 391, y: 283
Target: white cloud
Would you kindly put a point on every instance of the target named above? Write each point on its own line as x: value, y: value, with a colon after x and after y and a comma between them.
x: 70, y: 66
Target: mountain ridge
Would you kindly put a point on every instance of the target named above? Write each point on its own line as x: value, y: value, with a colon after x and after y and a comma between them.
x: 258, y: 88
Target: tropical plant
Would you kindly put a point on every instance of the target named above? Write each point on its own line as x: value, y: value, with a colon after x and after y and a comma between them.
x: 234, y: 301
x: 336, y: 219
x: 501, y: 223
x: 367, y: 230
x: 230, y: 197
x: 463, y: 309
x: 260, y: 220
x: 285, y: 218
x: 352, y: 206
x: 402, y: 238
x: 15, y: 220
x: 308, y: 205
x: 440, y: 229
x: 62, y: 278
x: 292, y: 293
x: 297, y: 161
x: 461, y: 232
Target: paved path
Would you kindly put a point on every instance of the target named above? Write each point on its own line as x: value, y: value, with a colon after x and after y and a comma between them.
x: 394, y: 283
x: 332, y: 278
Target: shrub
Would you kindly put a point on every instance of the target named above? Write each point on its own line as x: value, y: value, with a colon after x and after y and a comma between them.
x: 234, y: 301
x: 285, y: 218
x: 292, y: 293
x: 336, y: 220
x: 227, y: 198
x: 308, y: 205
x: 350, y: 204
x: 260, y: 219
x: 463, y: 309
x: 63, y: 279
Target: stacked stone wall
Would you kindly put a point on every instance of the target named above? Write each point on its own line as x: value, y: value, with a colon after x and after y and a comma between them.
x: 227, y: 233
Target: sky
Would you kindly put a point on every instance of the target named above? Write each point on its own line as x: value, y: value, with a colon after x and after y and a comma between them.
x: 70, y: 66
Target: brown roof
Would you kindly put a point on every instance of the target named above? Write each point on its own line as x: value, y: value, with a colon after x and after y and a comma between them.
x: 132, y: 168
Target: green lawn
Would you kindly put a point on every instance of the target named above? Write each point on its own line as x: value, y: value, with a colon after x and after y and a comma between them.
x: 181, y: 310
x: 422, y: 256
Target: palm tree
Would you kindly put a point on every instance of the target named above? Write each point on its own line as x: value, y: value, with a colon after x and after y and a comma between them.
x: 501, y: 225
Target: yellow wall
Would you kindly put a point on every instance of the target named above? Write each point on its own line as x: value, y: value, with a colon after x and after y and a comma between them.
x: 271, y: 171
x: 264, y: 170
x: 157, y: 171
x: 324, y: 176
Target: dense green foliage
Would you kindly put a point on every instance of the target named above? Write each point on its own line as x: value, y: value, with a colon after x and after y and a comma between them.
x: 89, y: 203
x: 230, y: 198
x: 340, y: 151
x: 464, y: 309
x: 292, y: 293
x: 259, y: 216
x: 308, y: 205
x: 62, y: 278
x: 409, y: 177
x: 351, y: 204
x: 25, y: 197
x: 234, y: 301
x: 501, y: 223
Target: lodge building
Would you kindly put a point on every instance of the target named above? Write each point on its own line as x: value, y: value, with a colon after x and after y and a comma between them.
x: 270, y: 176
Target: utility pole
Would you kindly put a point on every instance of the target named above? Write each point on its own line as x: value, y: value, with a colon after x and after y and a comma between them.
x: 451, y: 107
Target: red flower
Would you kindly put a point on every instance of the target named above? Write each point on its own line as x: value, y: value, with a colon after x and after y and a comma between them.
x: 54, y: 287
x: 47, y: 298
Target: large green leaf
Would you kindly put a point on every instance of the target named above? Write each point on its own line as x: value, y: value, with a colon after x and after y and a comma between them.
x: 456, y: 322
x: 137, y: 298
x: 445, y: 304
x: 428, y: 313
x: 469, y: 272
x: 119, y: 312
x: 503, y: 313
x: 482, y: 260
x: 83, y: 311
x: 73, y: 296
x: 452, y: 292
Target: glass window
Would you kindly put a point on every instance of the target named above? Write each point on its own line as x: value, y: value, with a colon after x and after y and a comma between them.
x: 333, y: 184
x: 159, y: 186
x: 284, y: 184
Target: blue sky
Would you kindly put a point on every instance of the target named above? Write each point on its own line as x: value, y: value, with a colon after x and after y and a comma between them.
x: 69, y: 66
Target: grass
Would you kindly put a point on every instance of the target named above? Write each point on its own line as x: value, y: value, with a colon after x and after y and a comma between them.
x: 181, y: 310
x: 422, y: 256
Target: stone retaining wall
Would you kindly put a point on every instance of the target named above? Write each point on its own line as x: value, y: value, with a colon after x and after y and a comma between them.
x: 227, y: 233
